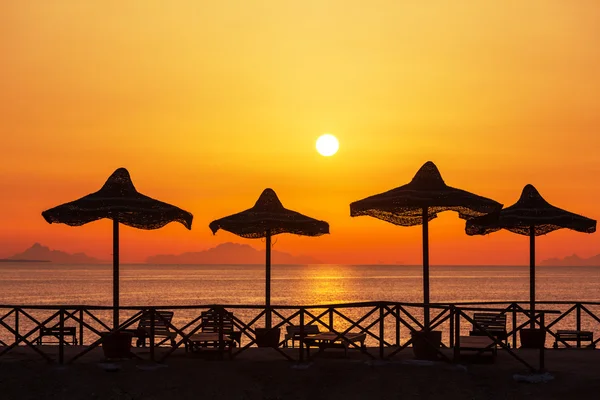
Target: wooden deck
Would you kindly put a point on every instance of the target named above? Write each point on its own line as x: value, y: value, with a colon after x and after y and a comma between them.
x: 260, y: 373
x: 557, y: 359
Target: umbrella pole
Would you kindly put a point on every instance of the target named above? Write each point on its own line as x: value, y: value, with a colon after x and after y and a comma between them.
x: 115, y: 273
x: 532, y: 276
x: 268, y: 281
x: 426, y: 267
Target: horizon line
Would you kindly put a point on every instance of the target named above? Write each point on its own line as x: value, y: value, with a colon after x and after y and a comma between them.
x: 108, y: 262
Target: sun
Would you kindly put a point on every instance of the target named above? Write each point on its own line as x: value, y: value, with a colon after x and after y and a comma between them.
x: 327, y: 145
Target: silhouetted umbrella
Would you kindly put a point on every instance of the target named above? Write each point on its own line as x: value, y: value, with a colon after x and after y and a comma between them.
x: 532, y: 216
x: 267, y: 218
x: 120, y: 201
x: 418, y: 202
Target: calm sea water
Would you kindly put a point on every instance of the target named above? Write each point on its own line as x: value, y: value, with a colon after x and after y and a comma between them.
x: 142, y: 285
x: 45, y: 283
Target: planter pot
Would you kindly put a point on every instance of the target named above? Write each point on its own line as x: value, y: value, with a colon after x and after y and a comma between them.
x: 532, y: 338
x: 425, y: 344
x: 267, y: 337
x: 117, y: 345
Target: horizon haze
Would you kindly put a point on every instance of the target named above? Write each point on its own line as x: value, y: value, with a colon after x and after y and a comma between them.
x: 230, y: 253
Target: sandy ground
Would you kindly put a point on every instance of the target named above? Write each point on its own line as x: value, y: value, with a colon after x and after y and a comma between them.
x: 264, y: 374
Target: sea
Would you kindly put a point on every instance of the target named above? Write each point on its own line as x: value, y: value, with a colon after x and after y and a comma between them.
x: 188, y: 285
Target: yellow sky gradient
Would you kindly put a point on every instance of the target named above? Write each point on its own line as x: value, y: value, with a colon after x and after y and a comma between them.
x: 208, y: 103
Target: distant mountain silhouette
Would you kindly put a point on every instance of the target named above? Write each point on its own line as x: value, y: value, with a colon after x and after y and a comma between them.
x: 43, y: 253
x: 573, y: 261
x: 230, y: 253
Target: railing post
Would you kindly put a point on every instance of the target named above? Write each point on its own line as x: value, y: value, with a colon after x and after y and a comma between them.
x: 81, y: 326
x: 221, y: 334
x: 397, y: 325
x: 152, y: 316
x: 514, y: 325
x: 331, y: 319
x: 543, y: 348
x: 61, y: 336
x: 381, y: 331
x: 578, y: 322
x: 457, y: 335
x: 301, y: 344
x: 452, y: 312
x: 16, y: 324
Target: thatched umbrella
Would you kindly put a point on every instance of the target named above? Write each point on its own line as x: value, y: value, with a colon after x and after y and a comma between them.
x: 267, y: 218
x: 531, y: 216
x: 120, y: 201
x: 418, y: 202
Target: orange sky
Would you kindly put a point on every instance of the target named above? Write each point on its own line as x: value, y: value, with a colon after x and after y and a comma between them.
x: 208, y: 103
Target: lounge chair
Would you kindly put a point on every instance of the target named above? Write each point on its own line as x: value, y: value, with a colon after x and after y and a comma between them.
x: 56, y: 335
x: 211, y: 323
x: 327, y: 340
x: 162, y: 320
x: 574, y: 336
x: 493, y: 324
x: 208, y: 337
x: 293, y: 333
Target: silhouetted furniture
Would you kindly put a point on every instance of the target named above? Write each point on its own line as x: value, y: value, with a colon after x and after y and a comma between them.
x: 208, y: 338
x: 574, y: 336
x: 211, y: 321
x: 494, y: 324
x: 117, y: 345
x: 162, y: 319
x: 480, y: 344
x: 327, y: 340
x: 209, y: 341
x: 67, y: 334
x: 293, y: 333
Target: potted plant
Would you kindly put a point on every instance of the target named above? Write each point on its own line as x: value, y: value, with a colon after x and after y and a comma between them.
x: 425, y: 344
x: 117, y: 344
x: 267, y: 337
x: 532, y: 338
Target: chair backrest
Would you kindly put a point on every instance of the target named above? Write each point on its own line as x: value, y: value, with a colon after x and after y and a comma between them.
x: 211, y: 320
x: 310, y: 329
x: 67, y: 330
x: 490, y: 321
x: 162, y: 319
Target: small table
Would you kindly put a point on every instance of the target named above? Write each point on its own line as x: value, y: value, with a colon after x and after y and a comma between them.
x: 475, y: 343
x: 326, y: 340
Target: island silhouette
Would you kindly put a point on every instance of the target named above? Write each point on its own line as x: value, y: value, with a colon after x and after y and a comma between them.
x: 224, y: 253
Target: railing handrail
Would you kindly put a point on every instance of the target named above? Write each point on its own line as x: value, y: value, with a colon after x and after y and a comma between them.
x: 548, y: 302
x: 295, y: 306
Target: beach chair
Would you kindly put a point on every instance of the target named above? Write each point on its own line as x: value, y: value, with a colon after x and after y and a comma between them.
x: 56, y: 335
x: 213, y: 323
x: 293, y: 333
x: 493, y: 323
x: 334, y: 340
x: 574, y: 336
x: 162, y: 319
x: 477, y: 345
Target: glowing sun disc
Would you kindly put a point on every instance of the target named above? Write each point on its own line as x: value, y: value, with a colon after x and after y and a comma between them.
x: 327, y: 145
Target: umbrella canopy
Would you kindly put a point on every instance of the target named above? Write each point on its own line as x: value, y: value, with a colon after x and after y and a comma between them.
x: 531, y: 216
x: 120, y: 201
x: 269, y: 217
x: 418, y: 202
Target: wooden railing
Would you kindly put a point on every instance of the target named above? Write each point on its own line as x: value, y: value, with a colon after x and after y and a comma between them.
x: 387, y: 325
